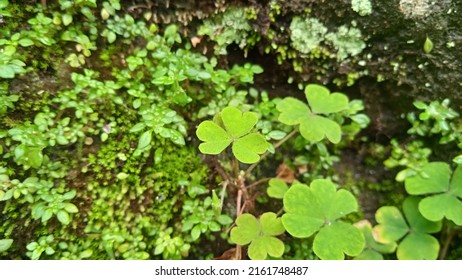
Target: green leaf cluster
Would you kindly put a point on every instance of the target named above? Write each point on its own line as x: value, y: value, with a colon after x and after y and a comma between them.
x: 313, y: 123
x: 412, y: 231
x: 232, y: 127
x: 260, y: 233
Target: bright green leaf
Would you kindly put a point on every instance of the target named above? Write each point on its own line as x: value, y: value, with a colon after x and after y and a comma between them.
x: 196, y: 232
x: 418, y: 246
x: 315, y: 128
x: 248, y: 148
x: 238, y: 124
x: 25, y: 42
x: 310, y: 208
x: 391, y: 224
x: 260, y: 234
x: 276, y: 134
x: 416, y: 221
x: 267, y: 245
x: 67, y: 19
x: 216, y: 139
x: 373, y: 249
x: 335, y: 240
x: 428, y: 45
x: 437, y: 207
x: 248, y: 229
x: 323, y: 102
x: 417, y: 242
x: 145, y: 140
x: 433, y: 178
x: 5, y: 244
x: 138, y: 127
x: 47, y: 214
x: 277, y: 188
x: 63, y: 217
x: 71, y: 208
x: 7, y: 72
x: 293, y: 111
x: 35, y: 157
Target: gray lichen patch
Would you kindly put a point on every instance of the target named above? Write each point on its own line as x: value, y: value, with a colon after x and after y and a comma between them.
x: 423, y: 8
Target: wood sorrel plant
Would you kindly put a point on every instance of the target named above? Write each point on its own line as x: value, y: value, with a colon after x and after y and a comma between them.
x: 317, y: 210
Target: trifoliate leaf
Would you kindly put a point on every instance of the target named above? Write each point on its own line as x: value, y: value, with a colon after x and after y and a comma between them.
x: 216, y: 139
x: 260, y: 234
x: 311, y: 209
x: 435, y: 178
x: 232, y: 126
x: 313, y: 126
x: 277, y: 188
x: 417, y: 243
x: 323, y: 102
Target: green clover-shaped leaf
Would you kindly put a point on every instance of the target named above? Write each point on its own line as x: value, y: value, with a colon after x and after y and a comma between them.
x: 373, y: 249
x: 260, y: 234
x: 277, y: 188
x: 313, y: 126
x: 417, y: 243
x: 435, y: 178
x: 231, y: 126
x: 317, y: 209
x: 215, y: 137
x: 323, y: 102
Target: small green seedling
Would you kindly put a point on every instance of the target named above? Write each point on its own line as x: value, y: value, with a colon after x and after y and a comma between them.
x: 260, y: 234
x: 428, y: 45
x: 435, y: 178
x: 373, y: 249
x: 232, y: 126
x: 413, y: 230
x: 317, y: 209
x: 5, y: 244
x: 313, y: 125
x: 277, y: 188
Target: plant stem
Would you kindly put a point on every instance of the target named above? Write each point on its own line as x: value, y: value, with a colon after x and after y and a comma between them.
x: 277, y: 145
x: 258, y: 182
x: 450, y: 233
